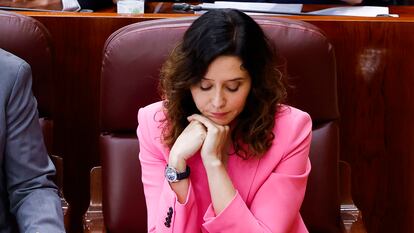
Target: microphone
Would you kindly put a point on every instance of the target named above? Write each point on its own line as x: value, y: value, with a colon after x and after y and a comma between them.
x: 185, y: 7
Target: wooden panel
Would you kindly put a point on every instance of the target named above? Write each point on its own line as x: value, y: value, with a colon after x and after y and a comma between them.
x: 375, y: 64
x: 375, y: 76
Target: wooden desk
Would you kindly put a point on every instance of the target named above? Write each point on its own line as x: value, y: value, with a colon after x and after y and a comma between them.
x: 375, y: 63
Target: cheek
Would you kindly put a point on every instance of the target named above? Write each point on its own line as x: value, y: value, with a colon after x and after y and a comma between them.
x: 240, y: 101
x: 198, y: 99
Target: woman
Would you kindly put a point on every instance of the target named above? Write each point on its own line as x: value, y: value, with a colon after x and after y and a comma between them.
x: 221, y: 153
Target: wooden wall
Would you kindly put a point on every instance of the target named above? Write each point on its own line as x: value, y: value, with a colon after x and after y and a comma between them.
x: 375, y: 79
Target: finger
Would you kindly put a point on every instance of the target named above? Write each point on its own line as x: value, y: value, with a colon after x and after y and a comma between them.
x: 204, y: 120
x: 197, y: 125
x: 192, y: 117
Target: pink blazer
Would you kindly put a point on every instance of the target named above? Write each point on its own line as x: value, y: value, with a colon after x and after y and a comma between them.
x: 270, y: 190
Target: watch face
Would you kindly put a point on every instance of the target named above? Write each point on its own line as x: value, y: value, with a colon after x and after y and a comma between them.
x: 171, y: 174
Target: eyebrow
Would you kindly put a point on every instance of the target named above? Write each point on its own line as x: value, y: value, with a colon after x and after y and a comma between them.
x: 230, y: 80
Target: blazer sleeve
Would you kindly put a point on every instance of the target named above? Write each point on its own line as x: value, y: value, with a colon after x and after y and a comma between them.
x: 165, y: 213
x: 33, y: 196
x: 276, y: 204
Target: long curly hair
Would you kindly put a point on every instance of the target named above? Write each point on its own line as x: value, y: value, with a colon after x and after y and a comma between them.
x: 217, y: 33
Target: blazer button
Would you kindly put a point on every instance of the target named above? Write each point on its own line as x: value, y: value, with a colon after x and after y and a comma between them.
x: 167, y: 224
x: 170, y: 212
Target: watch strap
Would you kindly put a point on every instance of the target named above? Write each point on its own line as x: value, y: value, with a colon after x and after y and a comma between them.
x: 184, y: 175
x: 172, y: 175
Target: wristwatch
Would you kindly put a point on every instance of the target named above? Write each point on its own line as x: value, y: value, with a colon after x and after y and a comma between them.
x: 172, y: 175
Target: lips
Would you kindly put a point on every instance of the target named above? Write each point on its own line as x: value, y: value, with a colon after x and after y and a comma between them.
x: 218, y: 114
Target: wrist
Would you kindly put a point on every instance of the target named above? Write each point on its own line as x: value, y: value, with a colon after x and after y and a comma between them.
x: 177, y: 163
x: 213, y: 164
x: 173, y: 176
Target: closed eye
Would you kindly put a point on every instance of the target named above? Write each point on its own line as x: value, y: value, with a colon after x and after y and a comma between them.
x: 205, y: 86
x: 233, y: 87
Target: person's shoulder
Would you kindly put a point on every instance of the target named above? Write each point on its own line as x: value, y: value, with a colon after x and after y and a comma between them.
x: 151, y: 122
x: 7, y: 57
x: 292, y: 121
x: 151, y: 113
x: 10, y: 63
x: 15, y: 73
x: 152, y: 109
x: 289, y: 113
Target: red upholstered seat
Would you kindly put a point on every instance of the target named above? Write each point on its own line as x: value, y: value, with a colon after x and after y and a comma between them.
x: 131, y: 63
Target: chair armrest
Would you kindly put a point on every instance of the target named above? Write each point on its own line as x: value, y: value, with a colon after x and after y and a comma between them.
x: 350, y: 214
x: 93, y: 221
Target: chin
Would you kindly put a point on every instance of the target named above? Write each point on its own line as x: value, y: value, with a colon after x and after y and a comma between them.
x: 221, y: 122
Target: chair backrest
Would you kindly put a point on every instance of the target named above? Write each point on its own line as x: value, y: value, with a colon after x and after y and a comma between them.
x: 132, y: 60
x: 28, y: 39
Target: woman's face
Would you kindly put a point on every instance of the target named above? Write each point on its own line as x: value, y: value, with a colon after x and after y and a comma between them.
x: 222, y: 92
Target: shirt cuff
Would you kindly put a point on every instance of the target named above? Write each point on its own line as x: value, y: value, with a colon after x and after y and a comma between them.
x: 173, y: 214
x: 230, y: 218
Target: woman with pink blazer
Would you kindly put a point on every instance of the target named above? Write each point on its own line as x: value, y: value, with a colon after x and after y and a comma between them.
x: 220, y: 152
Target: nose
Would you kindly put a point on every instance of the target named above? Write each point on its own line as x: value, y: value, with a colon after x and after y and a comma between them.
x: 219, y: 100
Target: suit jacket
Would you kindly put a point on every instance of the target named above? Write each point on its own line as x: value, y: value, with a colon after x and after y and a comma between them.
x: 270, y: 190
x: 28, y: 197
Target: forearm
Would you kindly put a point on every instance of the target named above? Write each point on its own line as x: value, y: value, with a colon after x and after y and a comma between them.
x: 181, y: 190
x: 228, y: 221
x: 34, y: 197
x: 165, y: 212
x: 42, y: 212
x: 181, y: 187
x: 221, y: 187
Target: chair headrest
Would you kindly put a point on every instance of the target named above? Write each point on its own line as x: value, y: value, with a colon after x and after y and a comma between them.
x: 133, y: 57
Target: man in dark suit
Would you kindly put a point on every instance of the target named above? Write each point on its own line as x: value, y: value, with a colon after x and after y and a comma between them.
x: 28, y: 198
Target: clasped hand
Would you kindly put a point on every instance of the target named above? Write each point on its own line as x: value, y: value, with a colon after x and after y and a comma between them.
x: 202, y: 134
